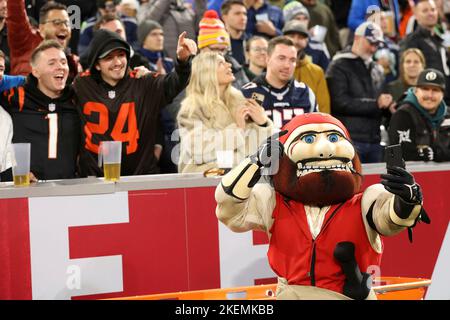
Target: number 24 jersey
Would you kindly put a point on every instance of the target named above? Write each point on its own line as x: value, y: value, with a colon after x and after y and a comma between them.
x: 127, y: 112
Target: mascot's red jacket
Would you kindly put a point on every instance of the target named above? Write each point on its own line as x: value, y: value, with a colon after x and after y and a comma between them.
x: 324, y: 232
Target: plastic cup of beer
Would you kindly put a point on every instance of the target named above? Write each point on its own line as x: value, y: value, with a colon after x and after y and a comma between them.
x: 390, y: 23
x: 111, y: 153
x: 21, y: 164
x: 225, y: 158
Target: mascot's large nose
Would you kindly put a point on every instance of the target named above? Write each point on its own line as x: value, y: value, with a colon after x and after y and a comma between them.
x: 325, y: 148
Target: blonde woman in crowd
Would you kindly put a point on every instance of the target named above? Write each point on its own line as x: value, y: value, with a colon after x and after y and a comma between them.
x: 218, y: 126
x: 412, y: 63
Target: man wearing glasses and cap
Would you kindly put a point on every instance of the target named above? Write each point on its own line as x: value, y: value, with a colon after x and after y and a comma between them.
x: 422, y: 123
x: 54, y: 24
x: 354, y: 81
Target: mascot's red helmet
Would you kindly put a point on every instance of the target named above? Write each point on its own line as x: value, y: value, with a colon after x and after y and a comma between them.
x: 309, y: 118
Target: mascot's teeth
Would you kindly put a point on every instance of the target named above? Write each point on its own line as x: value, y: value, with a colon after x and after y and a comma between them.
x: 301, y: 169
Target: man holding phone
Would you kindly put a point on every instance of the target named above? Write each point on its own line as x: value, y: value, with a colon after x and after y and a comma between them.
x: 422, y: 124
x: 264, y: 19
x: 276, y: 90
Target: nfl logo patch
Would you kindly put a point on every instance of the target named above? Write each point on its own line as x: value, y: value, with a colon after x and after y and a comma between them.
x: 111, y: 94
x: 51, y: 107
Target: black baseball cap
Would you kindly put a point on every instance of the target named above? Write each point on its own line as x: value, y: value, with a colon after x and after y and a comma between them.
x: 431, y: 77
x: 114, y: 45
x: 102, y: 44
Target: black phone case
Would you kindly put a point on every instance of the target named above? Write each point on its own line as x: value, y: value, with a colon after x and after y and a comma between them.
x: 393, y: 156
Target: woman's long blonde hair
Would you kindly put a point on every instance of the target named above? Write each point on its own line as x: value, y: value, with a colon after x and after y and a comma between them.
x: 418, y: 53
x: 203, y: 88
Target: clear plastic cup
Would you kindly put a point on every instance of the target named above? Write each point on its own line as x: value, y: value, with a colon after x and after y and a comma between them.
x: 225, y: 158
x: 110, y: 154
x: 319, y: 33
x: 21, y: 164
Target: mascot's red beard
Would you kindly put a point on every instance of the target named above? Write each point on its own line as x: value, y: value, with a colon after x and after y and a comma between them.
x: 318, y: 188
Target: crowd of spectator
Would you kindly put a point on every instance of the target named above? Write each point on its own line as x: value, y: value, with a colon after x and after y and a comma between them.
x: 193, y: 85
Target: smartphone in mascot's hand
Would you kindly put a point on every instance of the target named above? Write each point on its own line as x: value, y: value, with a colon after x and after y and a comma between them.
x: 393, y: 156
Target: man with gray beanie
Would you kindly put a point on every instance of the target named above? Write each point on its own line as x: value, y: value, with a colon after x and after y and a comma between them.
x: 306, y: 71
x: 295, y: 11
x: 151, y: 46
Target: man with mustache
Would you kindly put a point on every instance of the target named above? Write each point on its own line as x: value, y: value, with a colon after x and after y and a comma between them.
x: 422, y: 123
x: 324, y: 232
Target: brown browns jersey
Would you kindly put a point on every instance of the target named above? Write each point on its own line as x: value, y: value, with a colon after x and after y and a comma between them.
x: 128, y: 112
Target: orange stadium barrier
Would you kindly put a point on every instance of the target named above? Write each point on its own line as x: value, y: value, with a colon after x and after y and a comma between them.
x: 389, y: 288
x: 399, y: 288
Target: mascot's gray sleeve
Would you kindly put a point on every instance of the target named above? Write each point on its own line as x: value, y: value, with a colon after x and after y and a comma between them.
x: 242, y: 207
x: 380, y: 217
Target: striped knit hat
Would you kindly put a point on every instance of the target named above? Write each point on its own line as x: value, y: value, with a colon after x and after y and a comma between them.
x: 293, y: 9
x: 212, y: 31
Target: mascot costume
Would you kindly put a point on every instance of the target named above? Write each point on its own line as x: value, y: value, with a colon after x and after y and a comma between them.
x: 324, y: 232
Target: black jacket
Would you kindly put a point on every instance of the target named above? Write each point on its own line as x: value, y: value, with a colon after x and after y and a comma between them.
x: 430, y: 45
x: 354, y: 92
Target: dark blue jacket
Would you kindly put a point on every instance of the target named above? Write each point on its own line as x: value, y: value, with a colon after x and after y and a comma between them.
x: 153, y: 56
x: 275, y: 15
x: 283, y: 104
x: 215, y: 5
x: 318, y: 54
